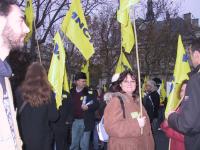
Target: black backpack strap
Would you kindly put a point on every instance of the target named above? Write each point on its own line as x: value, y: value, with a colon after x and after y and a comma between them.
x: 152, y: 103
x: 122, y: 106
x: 22, y: 107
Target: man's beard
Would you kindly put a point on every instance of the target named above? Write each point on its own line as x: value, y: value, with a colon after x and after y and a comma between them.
x: 11, y: 39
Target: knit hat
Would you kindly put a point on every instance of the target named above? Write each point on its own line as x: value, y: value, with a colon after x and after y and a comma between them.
x: 80, y: 75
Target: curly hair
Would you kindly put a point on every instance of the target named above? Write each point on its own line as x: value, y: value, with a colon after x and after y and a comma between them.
x: 36, y: 88
x: 123, y: 75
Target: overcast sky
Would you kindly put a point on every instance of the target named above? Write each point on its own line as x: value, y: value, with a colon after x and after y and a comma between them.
x: 192, y: 6
x: 186, y: 6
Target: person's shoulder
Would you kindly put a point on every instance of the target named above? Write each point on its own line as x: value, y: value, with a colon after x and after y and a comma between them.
x: 194, y: 78
x: 18, y: 89
x: 197, y: 75
x: 72, y: 90
x: 85, y: 91
x: 18, y: 92
x: 154, y: 94
x: 118, y: 95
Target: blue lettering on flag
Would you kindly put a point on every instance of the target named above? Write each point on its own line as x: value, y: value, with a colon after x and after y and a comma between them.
x: 185, y: 58
x: 81, y: 25
x: 171, y: 87
x: 74, y: 15
x: 56, y: 51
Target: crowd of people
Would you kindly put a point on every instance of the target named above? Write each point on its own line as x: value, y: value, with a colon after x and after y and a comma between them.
x: 34, y: 122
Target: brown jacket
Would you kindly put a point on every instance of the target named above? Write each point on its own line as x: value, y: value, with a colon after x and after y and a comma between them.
x: 125, y: 133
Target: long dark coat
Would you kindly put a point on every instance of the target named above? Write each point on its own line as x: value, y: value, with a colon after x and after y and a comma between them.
x: 186, y: 120
x: 35, y: 124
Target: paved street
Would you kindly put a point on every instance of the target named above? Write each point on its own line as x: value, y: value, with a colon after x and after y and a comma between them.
x: 161, y: 141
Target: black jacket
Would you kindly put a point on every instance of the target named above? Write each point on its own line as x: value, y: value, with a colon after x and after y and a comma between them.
x: 64, y: 114
x: 35, y: 124
x: 187, y: 120
x: 61, y: 127
x: 88, y: 115
x: 151, y: 103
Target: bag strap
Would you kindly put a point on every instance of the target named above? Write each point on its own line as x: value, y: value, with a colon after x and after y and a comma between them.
x: 122, y: 106
x: 22, y: 107
x: 151, y: 103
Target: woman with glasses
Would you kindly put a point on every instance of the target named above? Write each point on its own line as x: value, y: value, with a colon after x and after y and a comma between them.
x: 122, y: 118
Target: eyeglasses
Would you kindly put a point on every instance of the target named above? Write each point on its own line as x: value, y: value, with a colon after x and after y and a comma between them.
x: 127, y: 82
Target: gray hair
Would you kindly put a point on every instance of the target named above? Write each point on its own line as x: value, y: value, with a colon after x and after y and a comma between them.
x: 152, y: 84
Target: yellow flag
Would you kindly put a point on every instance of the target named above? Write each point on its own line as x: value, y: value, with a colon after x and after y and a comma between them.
x: 128, y: 39
x: 65, y: 83
x: 122, y: 64
x: 163, y: 94
x: 75, y: 27
x: 29, y: 18
x: 181, y: 69
x: 57, y: 69
x: 85, y: 69
x: 146, y: 78
x: 124, y: 4
x: 182, y: 66
x: 127, y: 34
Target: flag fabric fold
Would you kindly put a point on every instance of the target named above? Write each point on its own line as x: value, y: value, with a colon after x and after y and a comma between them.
x: 122, y: 64
x: 29, y: 18
x: 163, y: 93
x: 65, y: 82
x: 182, y: 68
x: 57, y: 75
x: 127, y: 33
x: 75, y: 27
x: 125, y: 4
x: 85, y: 69
x: 146, y: 78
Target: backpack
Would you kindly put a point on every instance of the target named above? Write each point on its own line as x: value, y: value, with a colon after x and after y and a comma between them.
x: 103, y: 136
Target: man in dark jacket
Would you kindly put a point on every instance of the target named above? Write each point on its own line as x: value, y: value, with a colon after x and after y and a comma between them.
x: 84, y: 105
x: 187, y: 119
x: 62, y: 125
x: 151, y: 100
x: 151, y: 103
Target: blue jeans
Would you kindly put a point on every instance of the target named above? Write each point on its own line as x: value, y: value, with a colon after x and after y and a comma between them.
x: 79, y: 137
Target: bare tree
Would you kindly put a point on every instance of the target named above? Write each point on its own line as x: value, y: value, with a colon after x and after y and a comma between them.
x: 106, y: 34
x: 158, y: 38
x: 49, y: 15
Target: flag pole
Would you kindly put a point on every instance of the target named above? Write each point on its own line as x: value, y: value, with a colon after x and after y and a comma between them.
x: 38, y: 48
x: 138, y: 66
